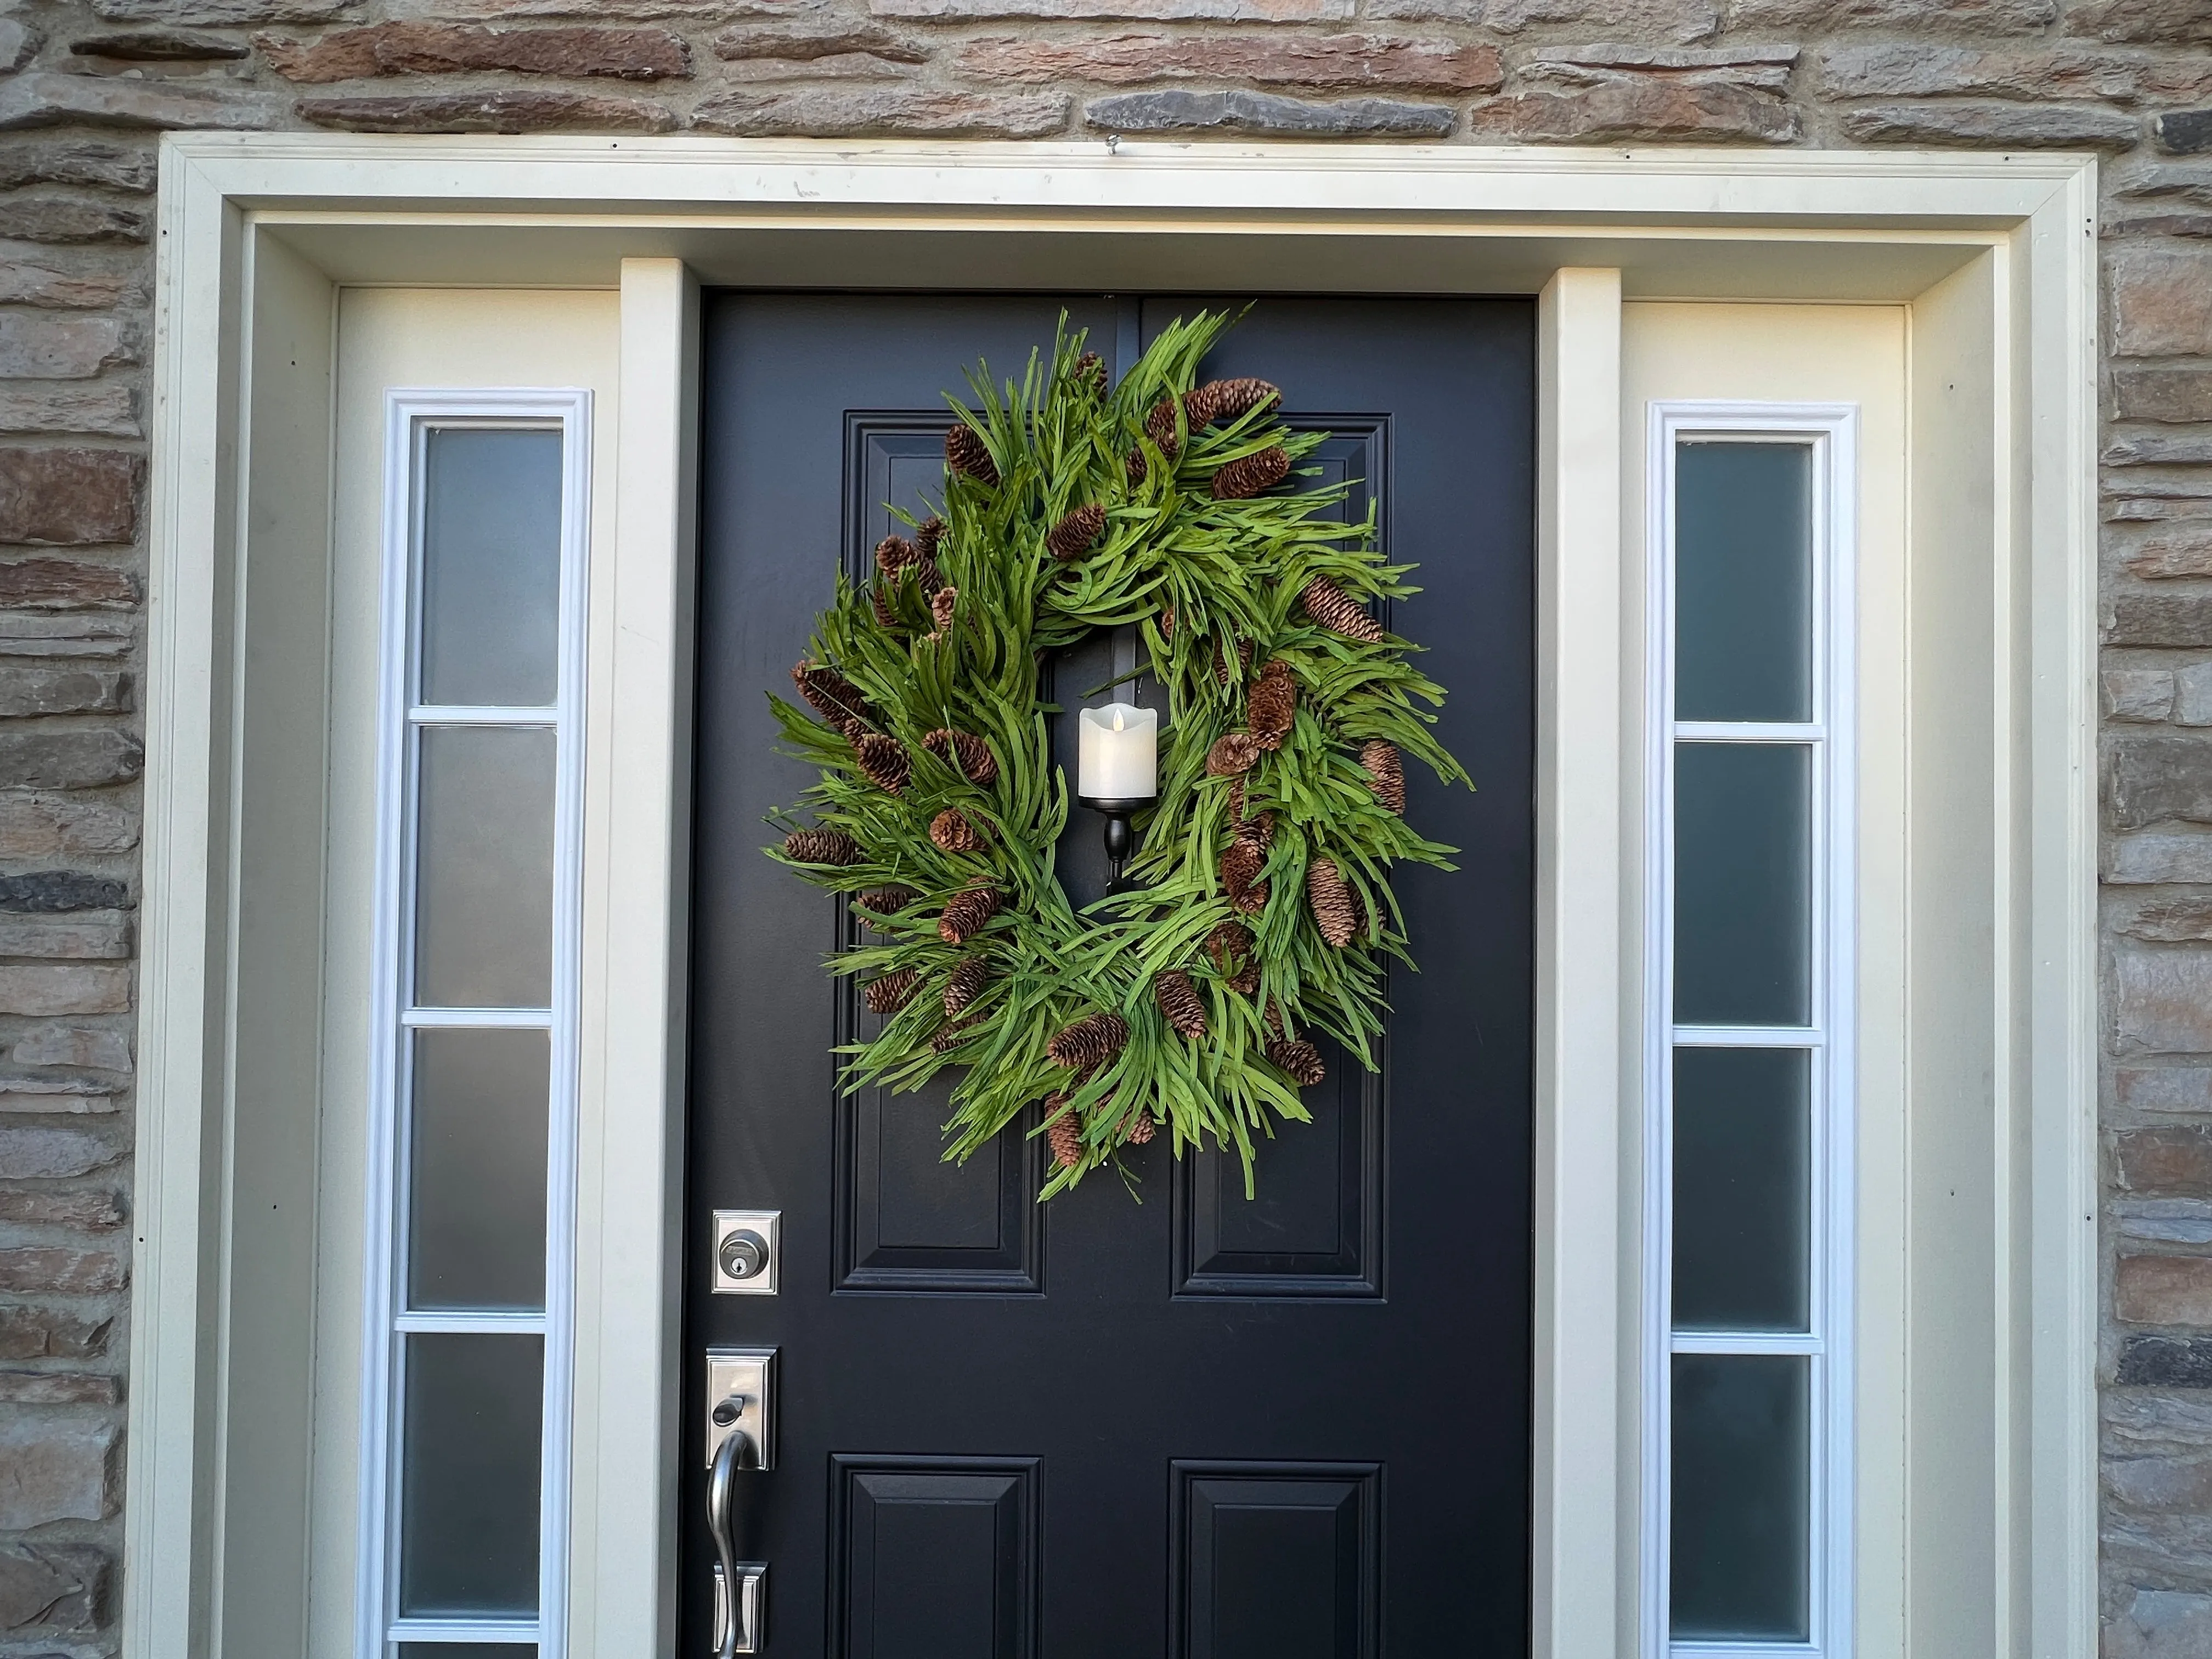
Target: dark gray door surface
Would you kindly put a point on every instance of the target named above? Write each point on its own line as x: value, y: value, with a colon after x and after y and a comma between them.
x: 1196, y: 1426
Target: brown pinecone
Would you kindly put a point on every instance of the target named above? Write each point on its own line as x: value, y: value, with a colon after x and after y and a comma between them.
x: 819, y: 846
x: 1259, y: 829
x: 1075, y: 534
x: 1064, y: 1134
x: 1179, y: 1001
x: 1142, y: 1129
x: 1240, y: 877
x: 885, y: 900
x: 966, y: 912
x: 1160, y: 428
x: 966, y: 984
x: 1135, y: 467
x: 1090, y: 1042
x: 950, y: 1035
x: 927, y: 534
x: 927, y: 577
x: 1236, y: 957
x: 892, y: 992
x: 1335, y: 906
x: 1091, y: 372
x: 1385, y: 772
x: 1232, y: 754
x: 887, y: 618
x: 1271, y: 704
x: 1222, y: 673
x: 1249, y: 475
x: 953, y: 833
x: 884, y: 761
x: 965, y: 452
x: 1298, y: 1059
x: 836, y: 698
x: 1336, y: 610
x: 1167, y: 622
x: 965, y: 751
x: 943, y: 604
x: 894, y: 554
x: 1226, y: 400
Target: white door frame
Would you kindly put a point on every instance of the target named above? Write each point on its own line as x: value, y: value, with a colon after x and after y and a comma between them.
x: 1993, y: 254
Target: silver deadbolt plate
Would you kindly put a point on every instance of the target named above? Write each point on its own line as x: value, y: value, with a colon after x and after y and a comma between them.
x: 741, y: 1388
x: 743, y: 1240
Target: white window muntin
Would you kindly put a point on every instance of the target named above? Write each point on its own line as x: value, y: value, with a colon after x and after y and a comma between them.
x: 1829, y: 432
x: 412, y: 415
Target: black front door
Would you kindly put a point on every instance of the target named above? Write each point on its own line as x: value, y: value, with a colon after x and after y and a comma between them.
x: 1101, y: 1428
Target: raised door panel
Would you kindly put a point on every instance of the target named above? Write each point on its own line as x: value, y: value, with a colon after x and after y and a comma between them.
x: 1277, y: 1561
x: 934, y: 1556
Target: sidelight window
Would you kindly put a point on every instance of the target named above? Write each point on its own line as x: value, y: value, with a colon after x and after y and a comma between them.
x: 1748, y: 1119
x: 473, y: 1139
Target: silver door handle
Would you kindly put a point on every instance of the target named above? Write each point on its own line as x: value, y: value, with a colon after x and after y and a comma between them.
x: 737, y: 1617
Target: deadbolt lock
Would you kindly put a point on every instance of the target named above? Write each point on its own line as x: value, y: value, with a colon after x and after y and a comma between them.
x: 745, y: 1250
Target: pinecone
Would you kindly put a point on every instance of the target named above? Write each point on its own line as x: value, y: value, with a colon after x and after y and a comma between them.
x: 1240, y: 877
x: 884, y: 761
x: 1167, y: 622
x: 1135, y: 467
x: 965, y: 452
x: 1160, y: 428
x: 1259, y: 829
x: 1090, y: 1042
x: 1226, y: 400
x: 1179, y: 1001
x: 894, y: 554
x: 965, y: 751
x: 1089, y: 373
x: 927, y: 534
x: 1335, y: 906
x: 1223, y: 673
x: 887, y: 617
x: 966, y: 912
x: 1298, y: 1059
x: 1336, y: 610
x: 885, y: 900
x: 953, y: 833
x: 943, y: 604
x: 819, y: 846
x: 1232, y: 754
x: 966, y: 984
x: 950, y: 1035
x: 836, y: 698
x: 1236, y: 957
x: 1271, y: 704
x: 1385, y: 772
x: 892, y: 992
x: 1064, y: 1134
x: 1075, y: 534
x: 1249, y: 475
x: 927, y: 577
x: 1141, y: 1128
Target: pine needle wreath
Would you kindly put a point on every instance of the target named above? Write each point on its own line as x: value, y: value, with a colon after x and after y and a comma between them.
x: 1260, y: 911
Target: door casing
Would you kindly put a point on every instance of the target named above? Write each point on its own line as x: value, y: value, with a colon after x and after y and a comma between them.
x: 1994, y: 257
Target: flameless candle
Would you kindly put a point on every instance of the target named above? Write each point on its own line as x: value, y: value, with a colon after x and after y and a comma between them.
x: 1120, y: 753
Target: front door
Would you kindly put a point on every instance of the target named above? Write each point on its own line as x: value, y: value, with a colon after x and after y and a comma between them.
x: 1153, y: 1419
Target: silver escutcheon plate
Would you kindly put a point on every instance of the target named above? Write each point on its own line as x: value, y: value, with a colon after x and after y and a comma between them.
x: 748, y: 1375
x: 765, y: 1225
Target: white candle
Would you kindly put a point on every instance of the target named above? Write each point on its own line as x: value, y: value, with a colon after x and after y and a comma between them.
x: 1120, y: 754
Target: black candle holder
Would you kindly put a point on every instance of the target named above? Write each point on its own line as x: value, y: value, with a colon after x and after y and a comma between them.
x: 1120, y: 839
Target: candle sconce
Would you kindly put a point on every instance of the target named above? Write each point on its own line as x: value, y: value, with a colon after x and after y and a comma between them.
x: 1118, y: 774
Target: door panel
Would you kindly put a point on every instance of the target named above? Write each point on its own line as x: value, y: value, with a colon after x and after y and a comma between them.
x: 1191, y: 1424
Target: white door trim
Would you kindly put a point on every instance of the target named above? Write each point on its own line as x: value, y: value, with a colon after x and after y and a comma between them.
x: 1994, y: 254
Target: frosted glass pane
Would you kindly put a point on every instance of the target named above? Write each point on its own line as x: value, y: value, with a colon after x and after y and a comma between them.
x: 467, y: 1650
x: 1742, y: 884
x: 492, y: 566
x: 1741, y: 1524
x: 477, y: 1214
x: 1743, y: 581
x: 1742, y: 1122
x: 483, y: 910
x: 468, y: 1475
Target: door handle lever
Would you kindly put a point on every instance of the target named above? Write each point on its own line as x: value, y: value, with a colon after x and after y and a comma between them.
x: 740, y: 1587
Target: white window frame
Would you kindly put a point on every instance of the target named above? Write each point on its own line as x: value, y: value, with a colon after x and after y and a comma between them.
x: 1831, y: 432
x: 412, y: 415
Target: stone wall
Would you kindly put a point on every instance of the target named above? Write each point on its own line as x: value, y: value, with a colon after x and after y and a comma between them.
x: 84, y: 88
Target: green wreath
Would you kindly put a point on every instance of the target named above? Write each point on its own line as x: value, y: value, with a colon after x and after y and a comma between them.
x: 1257, y: 907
